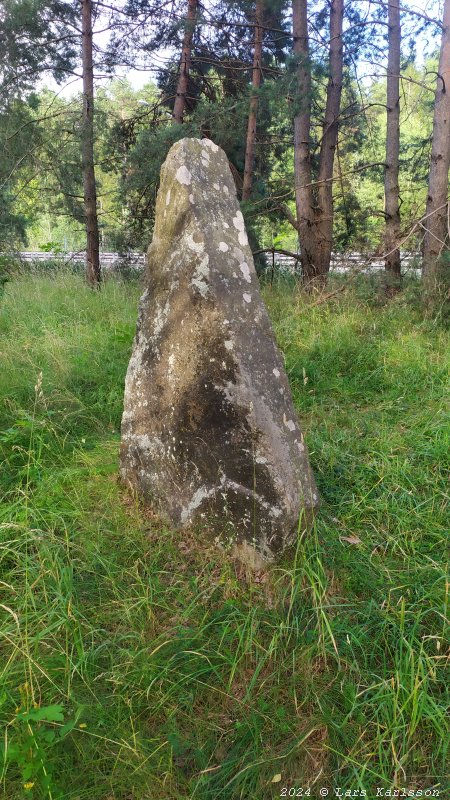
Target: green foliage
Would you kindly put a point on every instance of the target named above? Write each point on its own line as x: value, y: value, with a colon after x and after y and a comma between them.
x: 133, y: 133
x: 17, y: 138
x: 140, y: 661
x: 7, y: 266
x: 35, y: 734
x: 35, y: 36
x: 140, y: 185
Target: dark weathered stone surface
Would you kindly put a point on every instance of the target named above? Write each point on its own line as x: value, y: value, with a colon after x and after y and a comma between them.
x: 209, y: 431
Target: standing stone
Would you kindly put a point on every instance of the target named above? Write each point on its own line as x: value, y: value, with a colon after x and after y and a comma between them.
x: 209, y: 431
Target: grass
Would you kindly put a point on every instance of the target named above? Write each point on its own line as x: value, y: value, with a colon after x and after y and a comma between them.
x: 138, y: 663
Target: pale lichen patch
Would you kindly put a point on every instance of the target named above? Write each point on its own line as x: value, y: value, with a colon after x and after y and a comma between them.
x: 238, y: 221
x: 223, y: 247
x: 243, y: 239
x: 209, y: 143
x: 159, y: 319
x: 183, y: 175
x: 197, y: 499
x: 197, y: 247
x: 199, y: 281
x: 171, y: 371
x: 247, y: 297
x: 290, y: 424
x: 245, y: 271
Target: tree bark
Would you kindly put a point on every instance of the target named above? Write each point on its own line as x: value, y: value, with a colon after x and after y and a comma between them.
x: 391, y: 187
x: 302, y: 125
x: 93, y: 272
x: 324, y: 205
x: 254, y: 103
x: 436, y: 241
x: 185, y: 62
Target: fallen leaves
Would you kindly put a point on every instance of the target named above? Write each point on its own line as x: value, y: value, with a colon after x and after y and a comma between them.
x: 351, y: 539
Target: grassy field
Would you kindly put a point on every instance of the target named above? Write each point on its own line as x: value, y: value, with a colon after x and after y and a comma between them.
x: 137, y: 663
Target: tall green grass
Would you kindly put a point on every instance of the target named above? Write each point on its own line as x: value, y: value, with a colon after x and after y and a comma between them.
x: 139, y: 663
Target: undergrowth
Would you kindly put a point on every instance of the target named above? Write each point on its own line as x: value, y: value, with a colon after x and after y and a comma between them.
x: 140, y: 664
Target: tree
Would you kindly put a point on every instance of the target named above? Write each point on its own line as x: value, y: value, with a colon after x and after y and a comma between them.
x: 185, y: 62
x: 19, y: 139
x: 302, y: 126
x: 391, y: 174
x: 436, y: 252
x: 93, y: 272
x: 254, y: 102
x: 35, y: 37
x: 225, y: 75
x: 314, y: 209
x: 324, y: 206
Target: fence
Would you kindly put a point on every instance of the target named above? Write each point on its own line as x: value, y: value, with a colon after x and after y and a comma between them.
x: 348, y: 262
x: 107, y: 260
x: 340, y: 262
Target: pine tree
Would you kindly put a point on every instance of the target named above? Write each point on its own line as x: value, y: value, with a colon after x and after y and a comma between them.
x: 93, y: 272
x: 314, y: 200
x: 323, y: 216
x: 35, y: 37
x: 254, y: 101
x: 185, y: 62
x: 436, y: 251
x: 391, y: 174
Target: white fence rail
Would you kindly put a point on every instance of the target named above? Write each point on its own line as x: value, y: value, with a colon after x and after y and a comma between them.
x: 347, y: 262
x: 106, y: 259
x: 340, y: 262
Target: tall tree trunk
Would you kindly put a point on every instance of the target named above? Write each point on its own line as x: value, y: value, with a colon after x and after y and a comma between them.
x: 93, y: 272
x: 435, y: 269
x: 324, y: 206
x: 254, y: 102
x: 391, y: 188
x: 302, y: 125
x: 185, y: 62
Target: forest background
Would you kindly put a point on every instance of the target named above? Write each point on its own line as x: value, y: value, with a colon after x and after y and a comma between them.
x: 233, y: 72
